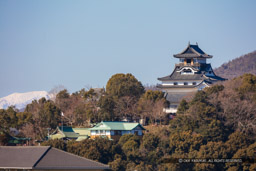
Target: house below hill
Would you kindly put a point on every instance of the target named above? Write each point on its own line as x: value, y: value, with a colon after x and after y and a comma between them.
x: 69, y: 133
x: 114, y: 130
x: 18, y: 141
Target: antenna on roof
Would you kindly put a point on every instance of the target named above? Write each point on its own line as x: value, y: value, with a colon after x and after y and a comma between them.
x: 189, y: 43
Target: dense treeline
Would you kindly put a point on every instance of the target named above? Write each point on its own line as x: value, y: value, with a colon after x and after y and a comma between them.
x: 124, y: 99
x: 238, y: 66
x: 217, y: 123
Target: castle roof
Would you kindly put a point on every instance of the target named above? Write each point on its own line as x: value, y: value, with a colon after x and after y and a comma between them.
x: 192, y: 51
x: 200, y: 75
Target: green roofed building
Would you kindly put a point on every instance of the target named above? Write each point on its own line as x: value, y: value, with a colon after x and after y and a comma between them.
x: 84, y: 133
x: 18, y: 141
x: 114, y: 130
x: 69, y: 133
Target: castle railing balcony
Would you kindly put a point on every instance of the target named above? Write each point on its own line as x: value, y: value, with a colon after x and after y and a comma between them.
x: 194, y: 64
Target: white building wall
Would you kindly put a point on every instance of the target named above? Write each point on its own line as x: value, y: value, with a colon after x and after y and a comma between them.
x: 169, y: 83
x: 170, y: 110
x: 93, y: 132
x: 98, y: 133
x: 166, y: 84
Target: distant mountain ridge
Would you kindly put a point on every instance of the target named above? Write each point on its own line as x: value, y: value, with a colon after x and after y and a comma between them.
x: 20, y: 100
x: 238, y: 66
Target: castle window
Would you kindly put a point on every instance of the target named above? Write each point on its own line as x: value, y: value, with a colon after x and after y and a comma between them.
x: 194, y: 83
x: 185, y: 83
x: 175, y: 83
x: 187, y: 70
x: 188, y: 61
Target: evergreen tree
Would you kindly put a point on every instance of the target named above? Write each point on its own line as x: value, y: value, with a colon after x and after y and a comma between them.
x: 120, y: 85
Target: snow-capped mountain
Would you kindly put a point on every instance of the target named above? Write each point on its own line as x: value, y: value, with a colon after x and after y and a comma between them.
x: 20, y: 100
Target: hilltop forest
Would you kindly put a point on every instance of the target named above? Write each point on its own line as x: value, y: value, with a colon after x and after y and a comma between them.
x: 124, y: 98
x: 238, y: 66
x: 217, y: 123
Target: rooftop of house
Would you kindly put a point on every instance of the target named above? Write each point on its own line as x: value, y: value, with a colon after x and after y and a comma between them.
x: 82, y: 131
x: 69, y: 132
x: 18, y: 140
x: 125, y: 126
x: 44, y: 158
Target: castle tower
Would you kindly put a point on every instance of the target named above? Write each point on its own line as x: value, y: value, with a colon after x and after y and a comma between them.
x: 191, y: 74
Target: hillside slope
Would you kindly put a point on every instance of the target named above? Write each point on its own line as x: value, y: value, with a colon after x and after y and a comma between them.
x: 238, y: 66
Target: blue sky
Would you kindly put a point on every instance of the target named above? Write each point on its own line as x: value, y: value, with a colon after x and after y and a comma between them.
x: 79, y: 43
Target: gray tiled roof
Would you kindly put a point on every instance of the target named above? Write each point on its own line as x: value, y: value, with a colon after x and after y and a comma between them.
x: 177, y: 76
x: 198, y: 76
x: 36, y: 157
x: 56, y: 158
x: 20, y: 157
x: 192, y: 51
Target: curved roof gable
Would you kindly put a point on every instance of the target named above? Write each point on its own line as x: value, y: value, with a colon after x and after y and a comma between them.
x: 200, y: 75
x: 192, y: 51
